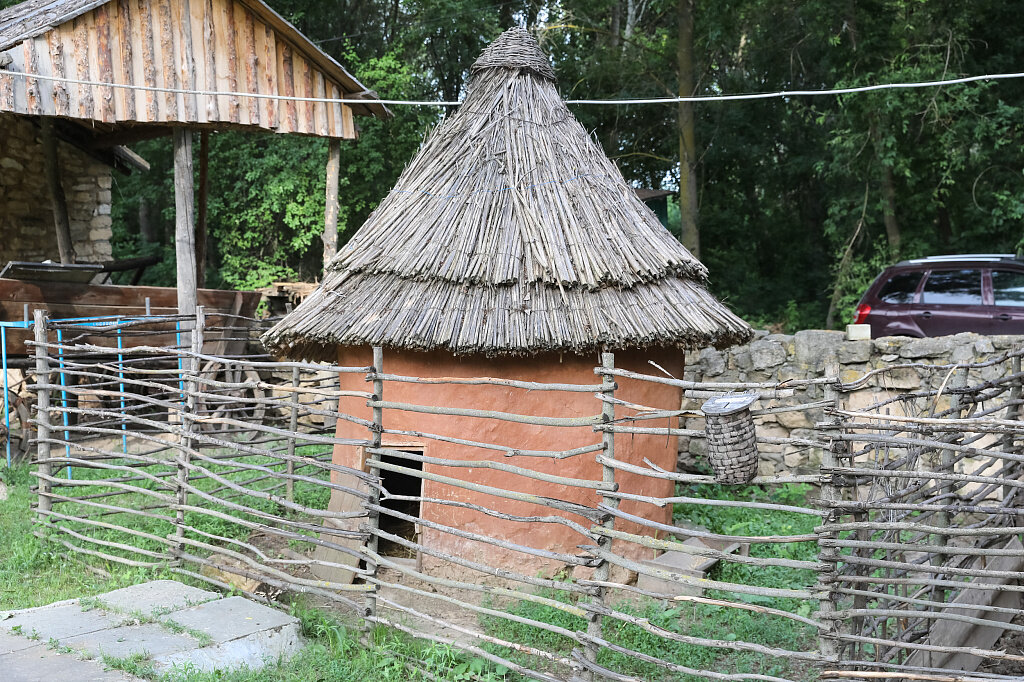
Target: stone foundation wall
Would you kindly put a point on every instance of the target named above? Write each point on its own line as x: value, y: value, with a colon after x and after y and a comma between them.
x: 26, y: 217
x: 779, y: 357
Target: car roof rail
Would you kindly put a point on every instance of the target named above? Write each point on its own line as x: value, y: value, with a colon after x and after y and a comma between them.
x: 964, y: 257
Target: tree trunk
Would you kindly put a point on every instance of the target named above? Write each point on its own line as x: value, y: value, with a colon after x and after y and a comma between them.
x: 147, y: 229
x: 59, y: 204
x: 892, y: 227
x: 616, y: 25
x: 184, y: 222
x: 689, y: 230
x: 331, y: 212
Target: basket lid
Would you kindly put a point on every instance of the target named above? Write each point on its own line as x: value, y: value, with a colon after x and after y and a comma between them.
x: 728, y: 404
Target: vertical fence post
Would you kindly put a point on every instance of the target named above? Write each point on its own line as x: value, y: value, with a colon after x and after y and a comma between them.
x: 946, y: 458
x: 601, y: 572
x: 120, y: 375
x: 7, y: 407
x: 43, y: 412
x: 293, y: 427
x: 190, y: 367
x: 375, y: 442
x: 828, y: 642
x: 1009, y: 440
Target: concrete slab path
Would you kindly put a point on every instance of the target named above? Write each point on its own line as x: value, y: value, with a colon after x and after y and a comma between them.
x: 163, y: 623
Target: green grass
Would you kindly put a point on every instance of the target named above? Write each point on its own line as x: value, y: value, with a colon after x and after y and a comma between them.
x: 33, y: 573
x: 698, y: 620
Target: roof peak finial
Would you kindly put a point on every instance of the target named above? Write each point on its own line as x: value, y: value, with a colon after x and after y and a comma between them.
x: 516, y: 48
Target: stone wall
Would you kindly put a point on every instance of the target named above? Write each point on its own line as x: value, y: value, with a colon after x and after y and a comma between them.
x: 26, y: 218
x: 779, y: 357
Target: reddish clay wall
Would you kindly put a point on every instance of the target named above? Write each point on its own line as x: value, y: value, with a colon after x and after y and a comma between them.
x: 547, y: 368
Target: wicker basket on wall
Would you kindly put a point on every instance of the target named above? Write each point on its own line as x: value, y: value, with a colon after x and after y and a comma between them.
x: 732, y: 448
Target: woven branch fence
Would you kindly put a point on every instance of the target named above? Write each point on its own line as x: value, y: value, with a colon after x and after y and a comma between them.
x: 898, y: 559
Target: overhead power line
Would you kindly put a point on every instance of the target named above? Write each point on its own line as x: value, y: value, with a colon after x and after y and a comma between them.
x: 607, y: 102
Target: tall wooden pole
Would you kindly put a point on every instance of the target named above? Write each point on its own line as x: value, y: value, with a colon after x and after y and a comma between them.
x: 184, y: 222
x: 51, y: 165
x: 331, y: 211
x: 204, y: 193
x: 689, y: 229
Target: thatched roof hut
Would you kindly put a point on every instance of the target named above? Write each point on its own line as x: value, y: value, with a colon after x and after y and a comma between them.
x: 510, y: 233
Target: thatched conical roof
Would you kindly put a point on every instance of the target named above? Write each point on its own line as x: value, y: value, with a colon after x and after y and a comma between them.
x: 510, y: 233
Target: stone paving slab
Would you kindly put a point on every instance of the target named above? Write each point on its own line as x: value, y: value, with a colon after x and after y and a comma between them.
x: 39, y: 664
x: 151, y: 639
x: 156, y: 596
x: 166, y: 622
x: 59, y: 621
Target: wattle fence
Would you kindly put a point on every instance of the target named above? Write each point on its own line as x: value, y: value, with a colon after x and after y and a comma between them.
x: 900, y: 558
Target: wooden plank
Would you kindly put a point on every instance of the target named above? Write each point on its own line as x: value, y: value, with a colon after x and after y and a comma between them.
x: 61, y: 100
x: 164, y: 42
x: 210, y: 47
x: 308, y: 90
x: 104, y: 63
x: 91, y: 63
x: 81, y: 53
x: 226, y: 32
x: 274, y: 108
x: 320, y: 109
x: 191, y: 54
x: 19, y: 292
x: 19, y: 102
x: 246, y: 47
x: 146, y: 64
x: 31, y: 84
x: 185, y: 107
x: 350, y: 125
x: 125, y: 49
x: 286, y: 77
x: 44, y: 66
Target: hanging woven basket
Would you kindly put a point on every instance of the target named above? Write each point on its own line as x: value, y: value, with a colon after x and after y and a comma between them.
x: 732, y: 447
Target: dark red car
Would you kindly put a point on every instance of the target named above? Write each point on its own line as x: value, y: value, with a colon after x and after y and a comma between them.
x: 940, y: 295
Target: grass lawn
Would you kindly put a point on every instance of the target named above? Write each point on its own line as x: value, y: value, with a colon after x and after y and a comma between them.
x: 33, y: 573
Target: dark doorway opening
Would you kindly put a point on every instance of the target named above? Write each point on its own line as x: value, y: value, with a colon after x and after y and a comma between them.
x: 405, y: 485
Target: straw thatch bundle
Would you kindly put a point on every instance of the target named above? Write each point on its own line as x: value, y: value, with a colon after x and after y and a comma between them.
x: 510, y: 233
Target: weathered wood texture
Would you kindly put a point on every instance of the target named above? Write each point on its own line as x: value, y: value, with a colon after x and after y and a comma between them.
x: 62, y: 301
x: 189, y: 46
x: 184, y: 223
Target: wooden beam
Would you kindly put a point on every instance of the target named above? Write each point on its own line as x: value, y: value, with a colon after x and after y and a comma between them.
x: 331, y: 211
x: 184, y: 221
x: 204, y: 193
x: 59, y: 204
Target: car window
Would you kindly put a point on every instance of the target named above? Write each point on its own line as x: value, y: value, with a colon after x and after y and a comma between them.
x: 900, y: 288
x: 952, y: 287
x: 1008, y: 287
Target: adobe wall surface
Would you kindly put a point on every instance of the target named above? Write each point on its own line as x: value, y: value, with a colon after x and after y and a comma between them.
x: 779, y: 357
x: 548, y: 537
x: 26, y: 217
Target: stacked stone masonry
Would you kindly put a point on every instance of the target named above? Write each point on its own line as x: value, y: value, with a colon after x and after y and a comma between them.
x: 26, y: 217
x: 780, y: 357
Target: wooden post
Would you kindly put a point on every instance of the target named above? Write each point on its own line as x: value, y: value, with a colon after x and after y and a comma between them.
x: 191, y: 368
x: 43, y: 412
x: 293, y: 428
x: 828, y: 641
x: 184, y: 222
x: 602, y: 571
x: 376, y: 430
x: 331, y: 210
x: 51, y: 165
x: 204, y: 193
